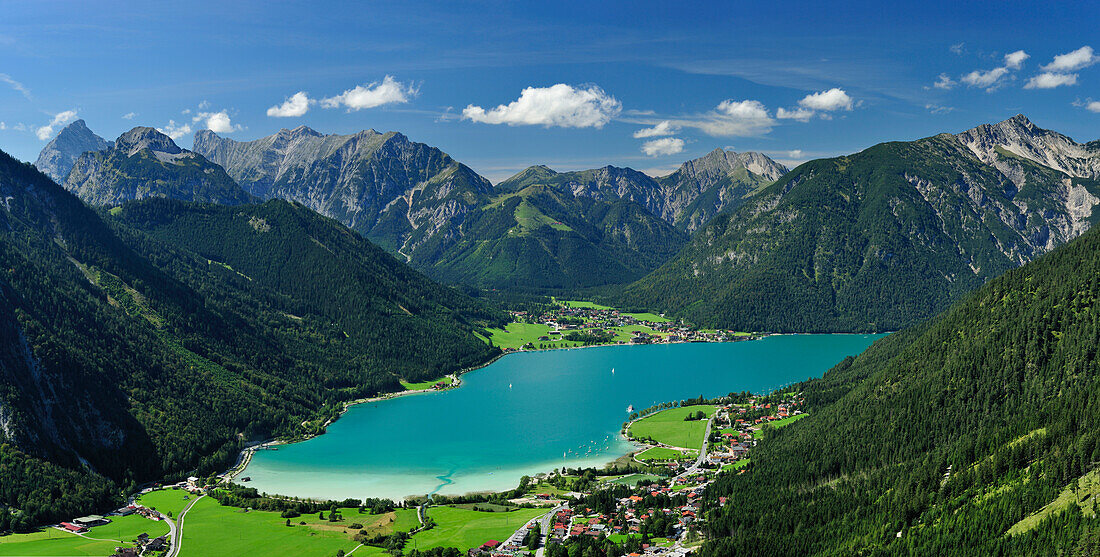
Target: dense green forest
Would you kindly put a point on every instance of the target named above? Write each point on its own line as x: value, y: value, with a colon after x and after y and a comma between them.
x: 156, y: 341
x: 874, y: 241
x: 941, y: 439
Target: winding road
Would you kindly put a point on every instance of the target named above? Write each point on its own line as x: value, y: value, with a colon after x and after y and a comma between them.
x: 176, y: 531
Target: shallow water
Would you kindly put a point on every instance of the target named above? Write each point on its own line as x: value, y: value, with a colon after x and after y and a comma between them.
x: 528, y: 413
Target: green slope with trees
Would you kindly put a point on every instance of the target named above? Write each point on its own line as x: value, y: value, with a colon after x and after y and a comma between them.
x: 873, y: 241
x: 156, y: 342
x: 939, y: 439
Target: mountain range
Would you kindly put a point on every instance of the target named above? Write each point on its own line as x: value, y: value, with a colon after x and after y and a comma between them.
x: 971, y: 434
x: 883, y: 238
x: 156, y: 339
x: 596, y: 227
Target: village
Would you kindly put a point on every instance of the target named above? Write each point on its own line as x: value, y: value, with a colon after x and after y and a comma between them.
x: 568, y: 324
x: 659, y: 512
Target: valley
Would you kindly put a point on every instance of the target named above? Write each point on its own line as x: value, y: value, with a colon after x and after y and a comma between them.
x: 390, y: 354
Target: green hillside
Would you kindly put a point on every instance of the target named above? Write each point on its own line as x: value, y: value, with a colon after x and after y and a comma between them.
x: 873, y: 241
x: 543, y: 237
x: 141, y: 355
x: 950, y: 438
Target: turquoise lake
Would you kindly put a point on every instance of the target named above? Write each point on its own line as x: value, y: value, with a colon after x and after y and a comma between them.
x: 527, y: 413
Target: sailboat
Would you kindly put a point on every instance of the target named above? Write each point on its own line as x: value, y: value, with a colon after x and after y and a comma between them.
x: 612, y: 371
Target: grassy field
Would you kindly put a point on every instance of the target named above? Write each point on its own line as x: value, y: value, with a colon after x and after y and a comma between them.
x: 211, y: 529
x: 633, y: 479
x: 424, y: 384
x: 464, y: 529
x: 739, y: 464
x: 669, y: 427
x: 167, y: 501
x: 759, y: 433
x: 582, y: 304
x: 661, y: 453
x: 120, y: 532
x: 651, y: 317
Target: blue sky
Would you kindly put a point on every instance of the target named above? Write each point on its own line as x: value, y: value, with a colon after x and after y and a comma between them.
x: 503, y: 85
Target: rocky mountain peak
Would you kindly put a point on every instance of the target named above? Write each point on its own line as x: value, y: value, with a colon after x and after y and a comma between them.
x: 722, y: 162
x: 143, y: 137
x: 1023, y: 139
x: 59, y: 155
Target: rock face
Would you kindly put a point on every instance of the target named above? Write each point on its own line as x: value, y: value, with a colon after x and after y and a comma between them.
x: 59, y: 155
x: 408, y: 197
x: 885, y: 237
x: 1018, y: 136
x: 687, y: 198
x: 718, y: 182
x: 144, y: 162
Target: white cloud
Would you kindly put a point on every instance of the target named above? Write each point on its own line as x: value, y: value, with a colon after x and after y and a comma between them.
x: 800, y: 114
x: 372, y: 95
x: 129, y: 115
x: 204, y: 105
x: 3, y: 126
x: 295, y: 105
x: 1093, y: 106
x: 663, y: 128
x: 663, y: 146
x: 958, y: 48
x: 46, y: 131
x: 749, y: 110
x: 945, y: 82
x: 217, y: 122
x: 175, y: 131
x: 987, y: 79
x: 734, y: 118
x: 795, y: 154
x: 1014, y: 60
x: 937, y: 109
x: 1081, y: 58
x: 1048, y: 80
x: 558, y: 105
x: 15, y: 85
x: 833, y: 99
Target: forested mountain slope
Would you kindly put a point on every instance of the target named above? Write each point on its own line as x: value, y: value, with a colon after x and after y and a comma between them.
x: 126, y: 356
x: 144, y: 162
x: 950, y: 438
x: 883, y: 238
x: 545, y: 237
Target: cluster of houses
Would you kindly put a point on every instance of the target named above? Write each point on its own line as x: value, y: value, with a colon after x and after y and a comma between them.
x: 144, y: 543
x: 737, y: 436
x: 567, y: 319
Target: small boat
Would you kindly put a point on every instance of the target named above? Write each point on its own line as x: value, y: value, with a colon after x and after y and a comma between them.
x: 612, y: 371
x: 630, y: 408
x: 509, y: 385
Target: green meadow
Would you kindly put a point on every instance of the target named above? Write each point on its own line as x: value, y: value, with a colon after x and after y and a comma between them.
x: 211, y: 529
x: 101, y: 540
x: 669, y: 427
x: 464, y: 528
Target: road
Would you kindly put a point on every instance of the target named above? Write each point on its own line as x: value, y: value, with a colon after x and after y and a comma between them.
x: 544, y: 529
x: 176, y: 531
x: 702, y: 451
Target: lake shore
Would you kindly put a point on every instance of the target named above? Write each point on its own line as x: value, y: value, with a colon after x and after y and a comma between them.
x: 246, y: 454
x: 453, y: 455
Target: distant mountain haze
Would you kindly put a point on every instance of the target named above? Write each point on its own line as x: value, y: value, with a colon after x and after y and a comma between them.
x: 144, y: 162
